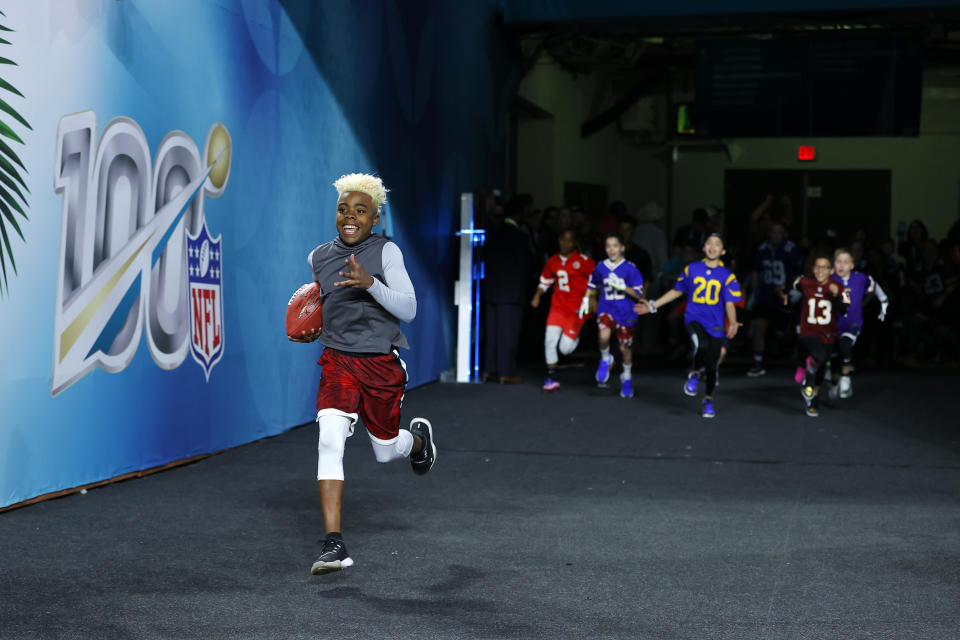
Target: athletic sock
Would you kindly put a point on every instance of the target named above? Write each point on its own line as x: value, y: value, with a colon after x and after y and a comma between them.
x: 758, y: 357
x: 335, y: 535
x: 627, y: 371
x: 605, y: 353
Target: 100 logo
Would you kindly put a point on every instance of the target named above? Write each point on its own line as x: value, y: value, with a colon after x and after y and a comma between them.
x: 131, y: 238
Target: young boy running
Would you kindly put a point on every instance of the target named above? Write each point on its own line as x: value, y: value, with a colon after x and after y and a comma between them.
x: 822, y: 305
x: 568, y: 272
x: 856, y: 286
x: 712, y: 293
x: 619, y: 284
x: 366, y: 294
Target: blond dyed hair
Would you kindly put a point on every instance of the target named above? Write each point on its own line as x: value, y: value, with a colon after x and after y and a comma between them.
x: 364, y: 183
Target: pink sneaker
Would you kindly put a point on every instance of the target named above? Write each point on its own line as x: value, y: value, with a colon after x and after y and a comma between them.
x: 798, y: 376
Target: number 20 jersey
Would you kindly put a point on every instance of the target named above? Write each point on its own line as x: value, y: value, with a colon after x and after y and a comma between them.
x: 569, y: 277
x: 708, y: 290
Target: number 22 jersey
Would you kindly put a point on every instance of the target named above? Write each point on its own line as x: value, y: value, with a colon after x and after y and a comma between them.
x: 708, y: 290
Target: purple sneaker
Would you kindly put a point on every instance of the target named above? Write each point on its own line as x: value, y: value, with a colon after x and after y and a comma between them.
x: 690, y: 386
x: 626, y: 388
x: 708, y: 411
x: 603, y: 370
x: 550, y: 385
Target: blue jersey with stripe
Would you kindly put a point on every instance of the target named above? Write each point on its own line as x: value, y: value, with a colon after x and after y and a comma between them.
x: 608, y: 278
x: 708, y: 290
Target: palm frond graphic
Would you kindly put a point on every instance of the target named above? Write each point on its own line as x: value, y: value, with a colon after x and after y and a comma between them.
x: 11, y: 182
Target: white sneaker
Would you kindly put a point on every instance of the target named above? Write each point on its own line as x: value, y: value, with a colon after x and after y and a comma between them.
x: 846, y: 389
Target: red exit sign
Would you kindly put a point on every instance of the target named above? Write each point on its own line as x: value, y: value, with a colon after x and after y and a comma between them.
x: 806, y: 153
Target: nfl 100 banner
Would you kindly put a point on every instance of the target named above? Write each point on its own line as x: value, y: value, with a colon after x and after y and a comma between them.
x: 165, y: 169
x: 136, y: 256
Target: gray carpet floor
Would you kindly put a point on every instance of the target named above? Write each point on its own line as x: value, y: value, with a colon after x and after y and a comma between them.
x: 572, y: 515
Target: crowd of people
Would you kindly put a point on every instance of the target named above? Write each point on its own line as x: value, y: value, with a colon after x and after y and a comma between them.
x: 881, y: 301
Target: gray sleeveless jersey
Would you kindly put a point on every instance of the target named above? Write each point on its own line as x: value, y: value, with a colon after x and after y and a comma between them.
x: 352, y: 320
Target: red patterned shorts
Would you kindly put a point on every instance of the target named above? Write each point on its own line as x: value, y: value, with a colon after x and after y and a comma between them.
x: 371, y: 386
x: 623, y: 333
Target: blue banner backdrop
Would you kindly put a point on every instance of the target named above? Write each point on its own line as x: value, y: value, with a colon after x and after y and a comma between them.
x: 165, y: 168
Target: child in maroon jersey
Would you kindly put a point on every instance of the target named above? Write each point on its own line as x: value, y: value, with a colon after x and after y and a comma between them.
x: 822, y: 305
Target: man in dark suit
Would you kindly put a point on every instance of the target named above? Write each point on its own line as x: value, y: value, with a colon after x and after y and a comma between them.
x: 508, y: 268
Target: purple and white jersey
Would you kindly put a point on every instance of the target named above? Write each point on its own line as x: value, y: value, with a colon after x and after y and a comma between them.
x: 855, y: 287
x: 776, y: 268
x: 611, y: 279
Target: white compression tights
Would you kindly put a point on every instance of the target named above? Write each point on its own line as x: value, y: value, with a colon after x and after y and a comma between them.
x: 394, y: 448
x: 335, y: 427
x: 554, y: 338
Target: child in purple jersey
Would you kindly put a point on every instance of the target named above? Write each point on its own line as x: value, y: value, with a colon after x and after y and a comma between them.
x: 619, y: 284
x: 856, y: 286
x: 712, y: 293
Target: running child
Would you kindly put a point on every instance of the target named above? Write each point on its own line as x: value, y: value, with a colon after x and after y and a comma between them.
x: 366, y: 294
x: 856, y: 286
x: 568, y: 272
x: 822, y: 304
x: 712, y: 293
x: 619, y: 284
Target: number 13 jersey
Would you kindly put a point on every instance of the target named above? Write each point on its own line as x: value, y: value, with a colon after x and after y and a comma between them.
x: 708, y: 290
x: 819, y: 313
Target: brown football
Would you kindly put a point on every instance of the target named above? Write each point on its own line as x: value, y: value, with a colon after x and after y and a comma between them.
x: 304, y: 317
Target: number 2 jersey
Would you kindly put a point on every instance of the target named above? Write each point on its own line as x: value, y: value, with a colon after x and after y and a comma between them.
x: 821, y: 309
x: 611, y: 279
x: 708, y: 290
x: 569, y: 277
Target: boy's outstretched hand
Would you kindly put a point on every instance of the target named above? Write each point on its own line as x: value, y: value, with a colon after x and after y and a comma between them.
x: 641, y: 307
x: 732, y: 329
x: 356, y: 276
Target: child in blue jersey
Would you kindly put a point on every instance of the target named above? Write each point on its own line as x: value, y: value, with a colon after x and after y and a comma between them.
x: 712, y: 293
x: 619, y: 284
x: 777, y: 264
x: 856, y: 286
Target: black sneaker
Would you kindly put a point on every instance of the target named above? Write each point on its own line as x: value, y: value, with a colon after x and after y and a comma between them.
x: 756, y: 371
x: 422, y: 461
x: 813, y: 407
x: 333, y: 557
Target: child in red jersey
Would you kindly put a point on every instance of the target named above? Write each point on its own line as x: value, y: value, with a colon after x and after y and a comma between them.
x: 822, y: 306
x: 568, y: 272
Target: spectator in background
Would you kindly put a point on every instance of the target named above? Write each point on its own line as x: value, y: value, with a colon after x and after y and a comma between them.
x: 777, y: 264
x: 910, y: 245
x: 633, y: 252
x: 933, y: 314
x: 609, y: 222
x: 549, y: 231
x: 693, y: 234
x: 509, y: 265
x: 859, y: 259
x: 650, y: 236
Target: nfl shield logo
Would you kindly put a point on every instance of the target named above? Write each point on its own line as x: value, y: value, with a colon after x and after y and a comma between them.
x: 206, y: 305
